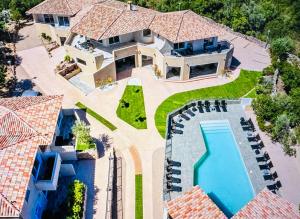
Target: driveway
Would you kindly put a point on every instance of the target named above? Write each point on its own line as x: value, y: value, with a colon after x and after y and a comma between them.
x: 28, y: 37
x: 39, y: 67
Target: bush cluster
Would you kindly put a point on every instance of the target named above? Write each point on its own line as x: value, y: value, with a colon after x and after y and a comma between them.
x: 75, y: 200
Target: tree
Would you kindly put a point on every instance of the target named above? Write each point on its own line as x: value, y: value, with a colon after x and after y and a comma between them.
x: 290, y: 75
x: 294, y: 107
x: 281, y: 47
x: 2, y: 75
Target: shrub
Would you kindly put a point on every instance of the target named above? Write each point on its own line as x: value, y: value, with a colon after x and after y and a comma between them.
x: 75, y: 200
x: 268, y: 70
x: 67, y: 58
x: 281, y: 47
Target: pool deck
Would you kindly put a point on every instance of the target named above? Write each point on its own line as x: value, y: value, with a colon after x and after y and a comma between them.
x: 189, y: 147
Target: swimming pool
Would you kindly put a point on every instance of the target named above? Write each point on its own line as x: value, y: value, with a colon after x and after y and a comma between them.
x: 221, y: 171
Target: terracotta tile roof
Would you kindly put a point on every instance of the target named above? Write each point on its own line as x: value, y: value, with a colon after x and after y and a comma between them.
x: 61, y: 7
x: 25, y: 124
x: 194, y: 204
x: 268, y: 206
x: 181, y: 26
x: 112, y: 18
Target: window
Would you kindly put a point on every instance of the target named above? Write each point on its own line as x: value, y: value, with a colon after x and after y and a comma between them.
x: 27, y: 195
x: 178, y: 45
x: 114, y: 40
x: 38, y: 211
x: 81, y: 61
x: 63, y: 21
x: 49, y: 19
x: 208, y: 42
x: 146, y: 32
x: 100, y: 41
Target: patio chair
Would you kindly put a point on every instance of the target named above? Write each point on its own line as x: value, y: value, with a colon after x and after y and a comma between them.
x: 264, y: 167
x: 268, y: 177
x: 173, y: 163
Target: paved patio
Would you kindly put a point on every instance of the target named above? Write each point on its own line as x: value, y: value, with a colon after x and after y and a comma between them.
x: 39, y: 68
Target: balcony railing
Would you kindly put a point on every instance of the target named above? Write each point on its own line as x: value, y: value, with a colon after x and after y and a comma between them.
x: 48, y: 172
x: 222, y: 46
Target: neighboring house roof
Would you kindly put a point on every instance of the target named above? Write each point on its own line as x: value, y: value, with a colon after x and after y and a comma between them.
x: 194, y: 204
x: 113, y: 18
x: 182, y: 26
x: 268, y: 205
x: 25, y: 124
x: 61, y: 7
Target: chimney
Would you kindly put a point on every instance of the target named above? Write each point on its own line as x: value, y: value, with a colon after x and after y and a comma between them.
x: 129, y: 5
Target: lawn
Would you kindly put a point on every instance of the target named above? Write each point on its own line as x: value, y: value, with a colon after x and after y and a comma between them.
x: 139, y: 196
x: 251, y: 94
x: 235, y: 89
x: 96, y: 116
x: 131, y: 108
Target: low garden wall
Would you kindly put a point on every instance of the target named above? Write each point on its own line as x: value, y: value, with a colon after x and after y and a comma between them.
x: 87, y: 154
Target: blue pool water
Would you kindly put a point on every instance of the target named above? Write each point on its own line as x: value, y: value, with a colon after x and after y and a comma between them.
x: 221, y: 172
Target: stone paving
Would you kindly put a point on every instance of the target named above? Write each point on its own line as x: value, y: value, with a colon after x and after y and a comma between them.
x: 189, y: 147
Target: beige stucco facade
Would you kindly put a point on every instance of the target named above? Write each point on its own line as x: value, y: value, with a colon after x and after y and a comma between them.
x: 55, y: 31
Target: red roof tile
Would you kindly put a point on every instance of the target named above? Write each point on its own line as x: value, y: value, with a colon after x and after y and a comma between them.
x: 61, y: 7
x: 25, y: 124
x: 112, y: 18
x: 182, y: 26
x: 268, y: 206
x: 194, y: 204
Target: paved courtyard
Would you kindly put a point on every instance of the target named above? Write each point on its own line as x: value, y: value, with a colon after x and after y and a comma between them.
x: 39, y: 67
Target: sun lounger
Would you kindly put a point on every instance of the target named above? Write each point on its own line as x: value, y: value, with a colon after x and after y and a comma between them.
x: 173, y: 188
x: 173, y: 180
x: 177, y: 131
x: 207, y: 105
x: 275, y: 186
x: 173, y: 163
x: 217, y: 105
x: 190, y: 113
x: 193, y: 105
x: 173, y: 171
x: 178, y: 125
x: 224, y: 105
x: 185, y: 117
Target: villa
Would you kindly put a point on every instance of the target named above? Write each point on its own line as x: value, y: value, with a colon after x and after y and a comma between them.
x: 109, y: 38
x: 30, y: 163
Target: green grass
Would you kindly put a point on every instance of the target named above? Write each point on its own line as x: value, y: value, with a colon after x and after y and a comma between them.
x: 251, y: 94
x: 139, y: 196
x: 235, y: 89
x: 96, y: 116
x: 131, y: 108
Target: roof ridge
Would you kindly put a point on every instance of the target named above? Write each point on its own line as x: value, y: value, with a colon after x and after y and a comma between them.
x: 112, y: 23
x: 14, y: 209
x: 180, y: 24
x: 70, y: 8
